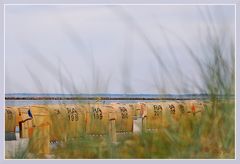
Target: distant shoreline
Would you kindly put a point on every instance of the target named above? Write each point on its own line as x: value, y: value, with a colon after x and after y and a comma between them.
x: 94, y: 98
x: 112, y: 98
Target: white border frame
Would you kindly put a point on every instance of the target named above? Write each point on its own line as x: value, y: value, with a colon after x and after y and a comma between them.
x: 126, y: 4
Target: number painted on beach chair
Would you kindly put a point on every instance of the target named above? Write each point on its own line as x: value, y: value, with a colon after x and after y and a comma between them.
x: 67, y: 121
x: 76, y: 121
x: 124, y: 117
x: 72, y: 114
x: 97, y: 119
x: 153, y: 117
x: 157, y: 110
x: 124, y: 112
x: 172, y: 109
x: 97, y: 113
x: 178, y: 110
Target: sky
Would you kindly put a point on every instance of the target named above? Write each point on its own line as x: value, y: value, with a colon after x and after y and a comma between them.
x: 110, y: 48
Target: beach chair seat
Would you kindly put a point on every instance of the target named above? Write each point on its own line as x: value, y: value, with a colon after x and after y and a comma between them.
x: 97, y: 119
x: 10, y: 123
x: 76, y: 116
x: 154, y: 116
x: 25, y: 121
x: 10, y: 119
x: 124, y: 117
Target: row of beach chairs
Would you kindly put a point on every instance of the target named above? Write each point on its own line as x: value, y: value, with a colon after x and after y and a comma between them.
x: 58, y: 122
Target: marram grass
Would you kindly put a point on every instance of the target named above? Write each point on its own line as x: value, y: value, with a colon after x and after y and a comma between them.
x: 206, y: 137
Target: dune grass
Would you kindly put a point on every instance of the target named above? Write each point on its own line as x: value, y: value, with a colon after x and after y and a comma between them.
x: 210, y: 136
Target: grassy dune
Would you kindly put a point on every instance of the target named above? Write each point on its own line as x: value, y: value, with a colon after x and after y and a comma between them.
x: 210, y: 135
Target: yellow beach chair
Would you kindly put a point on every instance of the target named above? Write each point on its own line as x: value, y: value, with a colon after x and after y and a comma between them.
x: 76, y: 115
x: 124, y: 117
x: 97, y: 119
x: 39, y: 133
x: 10, y: 123
x: 10, y: 119
x: 154, y: 116
x: 25, y: 121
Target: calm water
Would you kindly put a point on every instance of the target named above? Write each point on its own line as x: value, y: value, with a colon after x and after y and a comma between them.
x: 35, y: 102
x: 32, y: 102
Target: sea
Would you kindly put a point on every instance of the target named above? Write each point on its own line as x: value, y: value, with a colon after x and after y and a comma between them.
x: 137, y: 98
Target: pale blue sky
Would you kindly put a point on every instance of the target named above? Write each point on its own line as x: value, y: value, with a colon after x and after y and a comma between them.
x: 107, y: 49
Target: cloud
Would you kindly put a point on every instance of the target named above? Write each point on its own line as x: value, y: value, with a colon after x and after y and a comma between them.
x: 92, y: 42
